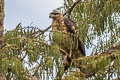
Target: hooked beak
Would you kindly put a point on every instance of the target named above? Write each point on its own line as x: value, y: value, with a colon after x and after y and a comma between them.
x: 51, y: 16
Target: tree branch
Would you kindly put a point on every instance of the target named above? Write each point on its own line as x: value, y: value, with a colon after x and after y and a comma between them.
x: 23, y: 57
x: 110, y: 54
x: 42, y: 31
x: 71, y: 8
x: 37, y: 68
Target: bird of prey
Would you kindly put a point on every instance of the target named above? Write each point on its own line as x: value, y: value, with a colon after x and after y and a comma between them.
x: 66, y: 25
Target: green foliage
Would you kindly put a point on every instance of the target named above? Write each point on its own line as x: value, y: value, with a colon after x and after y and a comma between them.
x: 12, y: 65
x: 74, y: 75
x: 27, y: 52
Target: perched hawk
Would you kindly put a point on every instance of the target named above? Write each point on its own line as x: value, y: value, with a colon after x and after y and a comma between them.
x: 66, y: 25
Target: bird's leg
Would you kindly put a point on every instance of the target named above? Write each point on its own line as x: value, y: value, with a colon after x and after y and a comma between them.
x: 70, y: 55
x: 67, y: 61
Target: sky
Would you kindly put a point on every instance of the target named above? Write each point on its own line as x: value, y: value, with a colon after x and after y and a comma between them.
x: 29, y: 12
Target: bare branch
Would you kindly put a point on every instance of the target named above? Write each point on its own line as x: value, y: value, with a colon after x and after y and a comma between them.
x: 37, y: 69
x: 23, y: 57
x: 42, y: 31
x: 71, y: 8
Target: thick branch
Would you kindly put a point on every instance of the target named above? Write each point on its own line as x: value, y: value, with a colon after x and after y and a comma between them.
x: 108, y: 53
x: 107, y: 56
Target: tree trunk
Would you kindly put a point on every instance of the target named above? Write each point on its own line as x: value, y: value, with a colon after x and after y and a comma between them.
x: 1, y: 20
x: 1, y: 33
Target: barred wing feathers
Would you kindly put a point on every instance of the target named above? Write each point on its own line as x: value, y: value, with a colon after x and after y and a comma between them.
x: 71, y: 28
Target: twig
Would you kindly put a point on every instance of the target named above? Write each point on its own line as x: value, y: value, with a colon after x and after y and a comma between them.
x: 71, y: 8
x: 37, y: 32
x: 23, y: 57
x: 63, y: 51
x: 45, y: 30
x: 59, y: 75
x: 37, y: 69
x: 42, y: 31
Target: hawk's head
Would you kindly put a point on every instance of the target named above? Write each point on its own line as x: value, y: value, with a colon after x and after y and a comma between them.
x: 55, y: 14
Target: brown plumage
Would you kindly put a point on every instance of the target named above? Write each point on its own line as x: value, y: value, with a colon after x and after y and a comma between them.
x: 66, y: 25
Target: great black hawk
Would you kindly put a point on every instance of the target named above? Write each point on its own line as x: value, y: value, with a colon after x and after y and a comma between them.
x: 71, y: 37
